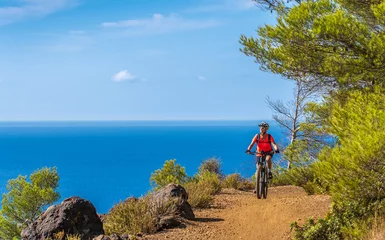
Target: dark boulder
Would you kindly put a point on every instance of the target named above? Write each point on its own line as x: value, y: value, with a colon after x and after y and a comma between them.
x: 75, y: 216
x: 175, y: 191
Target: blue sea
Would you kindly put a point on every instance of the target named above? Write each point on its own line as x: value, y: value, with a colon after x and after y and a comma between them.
x: 107, y: 162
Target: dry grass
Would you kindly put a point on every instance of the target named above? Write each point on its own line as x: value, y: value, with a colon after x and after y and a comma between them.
x: 73, y: 237
x: 377, y: 231
x: 199, y: 194
x: 138, y: 215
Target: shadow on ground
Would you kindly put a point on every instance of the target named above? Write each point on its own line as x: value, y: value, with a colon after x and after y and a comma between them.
x: 208, y: 219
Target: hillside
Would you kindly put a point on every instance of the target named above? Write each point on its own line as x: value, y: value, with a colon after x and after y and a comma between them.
x: 240, y: 215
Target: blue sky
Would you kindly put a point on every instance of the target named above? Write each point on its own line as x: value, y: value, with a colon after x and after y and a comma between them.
x: 132, y: 60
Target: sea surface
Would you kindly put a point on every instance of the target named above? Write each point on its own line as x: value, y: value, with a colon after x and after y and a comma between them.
x: 107, y: 162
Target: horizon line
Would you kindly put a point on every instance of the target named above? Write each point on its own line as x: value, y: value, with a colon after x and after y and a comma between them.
x: 128, y: 120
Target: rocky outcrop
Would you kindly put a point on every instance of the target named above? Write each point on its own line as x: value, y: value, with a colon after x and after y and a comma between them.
x: 177, y: 196
x: 73, y: 216
x: 175, y: 191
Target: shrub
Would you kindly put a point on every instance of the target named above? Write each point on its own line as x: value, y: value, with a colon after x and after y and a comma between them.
x: 25, y: 200
x: 233, y: 181
x: 170, y: 173
x: 211, y: 181
x: 73, y: 237
x: 212, y: 165
x: 138, y: 215
x: 199, y: 194
x: 301, y: 176
x: 344, y: 221
x: 247, y: 184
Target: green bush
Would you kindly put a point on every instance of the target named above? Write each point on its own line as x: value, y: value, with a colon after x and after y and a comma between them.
x: 212, y: 165
x: 25, y: 200
x: 233, y: 181
x: 170, y: 173
x: 348, y: 220
x: 201, y: 189
x: 301, y: 176
x: 354, y: 170
x: 199, y: 194
x: 211, y: 181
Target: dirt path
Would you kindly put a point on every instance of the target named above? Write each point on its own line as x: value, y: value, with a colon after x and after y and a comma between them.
x: 240, y: 215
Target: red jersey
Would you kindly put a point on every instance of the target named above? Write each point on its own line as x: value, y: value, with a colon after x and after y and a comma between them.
x: 263, y: 144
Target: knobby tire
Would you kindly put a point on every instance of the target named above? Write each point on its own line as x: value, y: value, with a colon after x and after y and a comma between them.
x: 265, y: 183
x: 259, y: 183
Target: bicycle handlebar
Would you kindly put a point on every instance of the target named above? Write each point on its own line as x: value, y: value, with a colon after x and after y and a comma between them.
x: 263, y: 153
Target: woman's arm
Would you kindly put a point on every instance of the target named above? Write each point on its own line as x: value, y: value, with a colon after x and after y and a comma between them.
x: 252, y: 143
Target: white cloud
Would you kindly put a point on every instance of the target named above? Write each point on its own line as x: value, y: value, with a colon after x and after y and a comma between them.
x: 123, y: 75
x: 202, y: 78
x: 160, y: 24
x: 22, y: 9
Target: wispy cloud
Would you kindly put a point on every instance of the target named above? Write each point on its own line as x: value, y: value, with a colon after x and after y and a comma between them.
x: 160, y: 24
x: 123, y: 75
x: 75, y: 40
x: 224, y: 5
x: 22, y: 9
x: 202, y: 78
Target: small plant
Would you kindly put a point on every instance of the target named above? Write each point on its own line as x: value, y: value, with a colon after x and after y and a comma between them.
x: 233, y: 181
x: 199, y: 194
x: 247, y: 184
x: 212, y: 165
x: 59, y: 235
x: 131, y: 216
x: 25, y: 200
x: 73, y: 237
x: 170, y: 173
x: 210, y: 180
x: 138, y: 215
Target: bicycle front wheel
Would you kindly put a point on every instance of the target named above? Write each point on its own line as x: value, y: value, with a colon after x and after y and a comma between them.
x: 265, y: 183
x: 260, y: 182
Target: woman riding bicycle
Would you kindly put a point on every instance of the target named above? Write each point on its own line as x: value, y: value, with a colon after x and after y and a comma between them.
x: 264, y: 142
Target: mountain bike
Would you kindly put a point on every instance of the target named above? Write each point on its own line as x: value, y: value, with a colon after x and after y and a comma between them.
x: 262, y: 178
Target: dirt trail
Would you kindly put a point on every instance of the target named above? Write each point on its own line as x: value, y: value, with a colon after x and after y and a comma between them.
x: 240, y: 215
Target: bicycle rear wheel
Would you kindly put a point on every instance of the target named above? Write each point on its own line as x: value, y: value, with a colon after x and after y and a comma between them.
x: 259, y: 182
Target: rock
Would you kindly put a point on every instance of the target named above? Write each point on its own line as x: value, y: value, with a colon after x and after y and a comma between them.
x: 74, y: 216
x: 169, y: 222
x: 112, y: 237
x: 171, y: 191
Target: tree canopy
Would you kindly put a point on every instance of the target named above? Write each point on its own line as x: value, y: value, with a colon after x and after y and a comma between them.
x: 339, y: 44
x: 25, y: 200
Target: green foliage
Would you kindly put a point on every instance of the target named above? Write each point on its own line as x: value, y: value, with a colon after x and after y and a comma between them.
x: 232, y: 181
x: 130, y: 217
x: 202, y: 187
x: 199, y: 194
x: 301, y: 172
x: 344, y: 221
x: 337, y: 43
x: 211, y: 180
x: 212, y: 165
x: 25, y: 200
x: 170, y: 173
x: 236, y: 181
x: 355, y: 169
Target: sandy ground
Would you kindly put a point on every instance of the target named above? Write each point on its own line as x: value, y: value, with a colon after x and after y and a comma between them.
x: 240, y: 215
